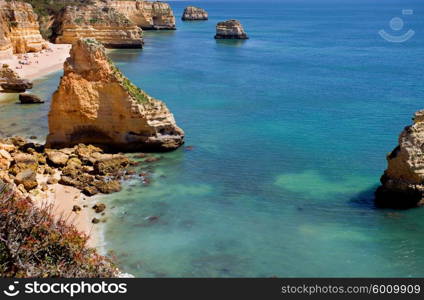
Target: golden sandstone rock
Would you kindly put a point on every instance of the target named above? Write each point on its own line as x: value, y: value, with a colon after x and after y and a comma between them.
x: 96, y: 104
x: 146, y: 14
x: 403, y: 181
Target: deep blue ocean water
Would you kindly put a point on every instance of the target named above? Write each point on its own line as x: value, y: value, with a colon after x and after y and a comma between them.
x: 289, y: 132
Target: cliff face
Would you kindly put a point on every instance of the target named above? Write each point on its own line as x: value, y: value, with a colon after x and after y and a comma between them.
x: 19, y: 29
x: 105, y: 24
x: 96, y: 104
x: 146, y: 14
x: 403, y: 181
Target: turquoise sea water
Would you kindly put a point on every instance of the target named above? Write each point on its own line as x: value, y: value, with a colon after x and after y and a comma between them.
x: 289, y: 132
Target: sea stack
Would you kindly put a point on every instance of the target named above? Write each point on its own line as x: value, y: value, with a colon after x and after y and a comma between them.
x: 96, y: 104
x: 403, y: 181
x: 192, y: 13
x: 231, y: 29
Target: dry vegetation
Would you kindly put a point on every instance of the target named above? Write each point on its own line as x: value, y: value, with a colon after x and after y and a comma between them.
x: 33, y: 244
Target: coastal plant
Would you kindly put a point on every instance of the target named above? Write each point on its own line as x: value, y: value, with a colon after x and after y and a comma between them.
x: 35, y: 244
x: 139, y: 95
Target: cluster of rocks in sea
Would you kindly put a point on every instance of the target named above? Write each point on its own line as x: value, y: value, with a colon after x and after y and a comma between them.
x: 403, y: 181
x: 230, y: 29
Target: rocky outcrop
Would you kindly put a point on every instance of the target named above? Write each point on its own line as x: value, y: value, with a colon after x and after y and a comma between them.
x: 19, y: 29
x: 7, y: 74
x: 16, y: 86
x: 10, y: 82
x: 100, y: 22
x: 231, y: 29
x: 192, y: 13
x: 403, y: 181
x: 28, y: 165
x: 146, y: 14
x: 96, y: 104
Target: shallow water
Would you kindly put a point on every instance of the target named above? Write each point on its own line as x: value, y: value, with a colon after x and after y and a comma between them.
x: 289, y: 132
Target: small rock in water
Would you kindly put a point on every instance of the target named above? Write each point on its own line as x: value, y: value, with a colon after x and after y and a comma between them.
x: 30, y: 99
x: 76, y: 208
x: 99, y: 207
x: 95, y: 221
x: 32, y: 137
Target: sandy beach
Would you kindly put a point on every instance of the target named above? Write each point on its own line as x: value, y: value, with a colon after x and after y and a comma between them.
x: 40, y: 63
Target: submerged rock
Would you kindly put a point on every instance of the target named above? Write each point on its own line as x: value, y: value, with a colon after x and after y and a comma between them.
x: 30, y: 99
x: 403, y: 181
x: 231, y: 29
x: 192, y: 13
x: 96, y: 104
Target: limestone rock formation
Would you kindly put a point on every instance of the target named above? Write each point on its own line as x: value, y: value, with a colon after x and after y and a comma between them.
x: 97, y: 21
x: 192, y: 13
x: 403, y: 181
x: 96, y: 104
x: 19, y: 29
x: 146, y: 14
x: 231, y: 29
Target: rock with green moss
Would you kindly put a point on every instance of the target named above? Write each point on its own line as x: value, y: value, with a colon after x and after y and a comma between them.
x: 96, y: 104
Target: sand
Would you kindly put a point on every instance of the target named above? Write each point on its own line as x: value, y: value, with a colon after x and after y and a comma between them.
x: 41, y: 63
x: 63, y: 198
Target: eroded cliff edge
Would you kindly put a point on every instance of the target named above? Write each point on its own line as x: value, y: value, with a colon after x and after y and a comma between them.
x: 96, y: 104
x: 403, y: 181
x: 105, y: 24
x: 146, y: 14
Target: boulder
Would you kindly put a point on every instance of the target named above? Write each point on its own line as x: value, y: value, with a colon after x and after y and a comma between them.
x: 28, y: 178
x: 30, y: 99
x: 16, y: 86
x: 231, y: 29
x: 99, y: 207
x: 56, y: 157
x: 111, y: 165
x: 108, y: 187
x: 192, y: 13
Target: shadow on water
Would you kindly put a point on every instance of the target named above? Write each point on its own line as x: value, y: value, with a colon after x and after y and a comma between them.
x: 230, y: 42
x: 365, y: 199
